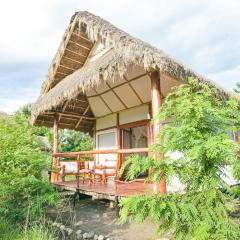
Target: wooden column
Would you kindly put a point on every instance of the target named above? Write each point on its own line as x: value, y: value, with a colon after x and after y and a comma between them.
x: 157, y: 126
x: 119, y: 143
x: 55, y: 148
x: 94, y: 144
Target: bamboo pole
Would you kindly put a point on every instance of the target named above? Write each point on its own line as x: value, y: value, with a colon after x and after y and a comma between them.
x: 55, y: 148
x: 157, y: 126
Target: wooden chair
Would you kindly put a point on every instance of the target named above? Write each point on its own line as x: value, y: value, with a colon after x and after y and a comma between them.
x: 74, y: 168
x: 103, y: 172
x: 88, y: 171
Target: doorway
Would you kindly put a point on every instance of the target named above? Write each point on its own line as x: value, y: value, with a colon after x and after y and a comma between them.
x: 135, y: 137
x: 106, y: 140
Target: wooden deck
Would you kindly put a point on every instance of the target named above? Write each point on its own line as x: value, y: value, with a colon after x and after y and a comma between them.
x: 111, y: 190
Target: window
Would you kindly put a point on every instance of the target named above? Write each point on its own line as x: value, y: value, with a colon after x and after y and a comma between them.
x: 135, y: 137
x: 106, y: 140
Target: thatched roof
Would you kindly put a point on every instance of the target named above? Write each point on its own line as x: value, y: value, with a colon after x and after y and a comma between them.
x: 70, y: 76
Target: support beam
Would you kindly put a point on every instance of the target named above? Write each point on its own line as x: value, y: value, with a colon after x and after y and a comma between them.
x: 130, y: 85
x: 63, y: 109
x: 55, y: 148
x: 76, y: 53
x: 78, y: 34
x: 157, y: 126
x: 70, y: 114
x: 116, y: 95
x: 105, y: 103
x: 79, y: 121
x: 73, y: 60
x: 60, y: 54
x: 120, y: 145
x: 80, y: 46
x: 61, y: 73
x: 68, y: 68
x: 119, y: 85
x: 94, y: 144
x: 80, y: 100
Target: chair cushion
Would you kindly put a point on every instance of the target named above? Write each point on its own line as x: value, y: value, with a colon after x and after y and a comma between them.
x: 70, y: 167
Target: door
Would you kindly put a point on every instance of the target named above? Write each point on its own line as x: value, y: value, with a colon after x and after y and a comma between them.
x: 106, y: 140
x: 135, y: 137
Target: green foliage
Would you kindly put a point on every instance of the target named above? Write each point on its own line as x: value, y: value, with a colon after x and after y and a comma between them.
x: 202, y: 215
x: 24, y: 189
x: 73, y: 141
x: 39, y: 232
x: 69, y: 140
x: 26, y: 112
x: 197, y: 122
x: 36, y: 232
x: 3, y: 115
x: 237, y: 87
x: 235, y: 191
x: 7, y: 231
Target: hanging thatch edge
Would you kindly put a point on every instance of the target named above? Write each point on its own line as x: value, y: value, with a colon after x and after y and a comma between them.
x: 128, y: 50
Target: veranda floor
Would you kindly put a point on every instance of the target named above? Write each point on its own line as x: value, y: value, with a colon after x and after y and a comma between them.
x: 111, y: 190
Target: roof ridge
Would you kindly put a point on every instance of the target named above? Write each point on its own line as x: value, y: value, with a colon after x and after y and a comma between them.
x: 150, y: 56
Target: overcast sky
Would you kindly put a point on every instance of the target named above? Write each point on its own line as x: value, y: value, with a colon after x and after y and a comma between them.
x: 205, y: 35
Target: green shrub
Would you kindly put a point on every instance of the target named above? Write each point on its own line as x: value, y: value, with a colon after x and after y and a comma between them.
x: 40, y: 232
x: 8, y: 232
x: 24, y: 190
x: 36, y: 231
x: 73, y: 141
x: 198, y: 122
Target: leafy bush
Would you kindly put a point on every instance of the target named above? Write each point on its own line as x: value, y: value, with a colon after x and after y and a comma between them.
x: 73, y: 141
x: 7, y: 231
x: 69, y: 140
x: 24, y: 189
x: 36, y: 232
x: 198, y: 122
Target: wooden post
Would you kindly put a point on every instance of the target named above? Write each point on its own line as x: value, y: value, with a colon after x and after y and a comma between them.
x: 94, y: 144
x: 149, y: 134
x: 157, y: 126
x: 55, y: 148
x: 119, y: 143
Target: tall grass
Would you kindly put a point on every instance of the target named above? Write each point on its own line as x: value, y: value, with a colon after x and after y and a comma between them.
x: 7, y: 231
x: 34, y: 232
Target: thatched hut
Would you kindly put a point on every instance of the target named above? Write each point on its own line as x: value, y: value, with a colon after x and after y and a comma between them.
x: 108, y: 83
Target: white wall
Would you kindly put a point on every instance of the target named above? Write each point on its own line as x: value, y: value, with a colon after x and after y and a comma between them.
x: 106, y: 122
x: 125, y: 116
x: 134, y: 114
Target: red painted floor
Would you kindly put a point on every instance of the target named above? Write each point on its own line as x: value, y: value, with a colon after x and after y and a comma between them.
x: 110, y: 188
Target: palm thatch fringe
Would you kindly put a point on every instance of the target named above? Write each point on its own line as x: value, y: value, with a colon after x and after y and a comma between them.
x: 125, y: 51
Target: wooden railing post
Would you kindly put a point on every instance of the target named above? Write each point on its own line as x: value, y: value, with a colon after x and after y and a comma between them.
x: 55, y: 148
x: 157, y: 126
